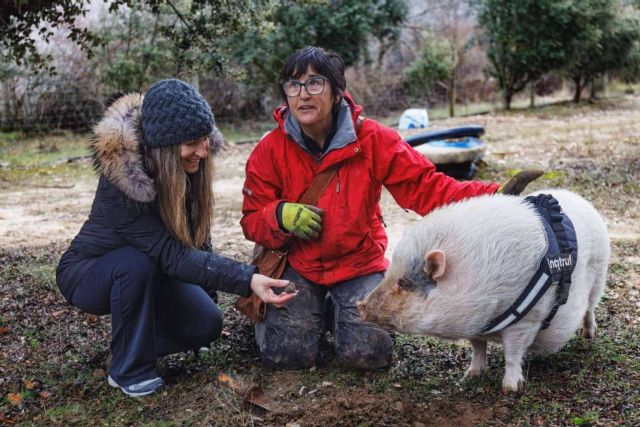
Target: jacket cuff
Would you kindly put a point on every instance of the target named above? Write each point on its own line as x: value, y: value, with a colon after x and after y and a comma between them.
x: 245, y: 289
x: 279, y: 217
x: 278, y: 236
x: 239, y: 282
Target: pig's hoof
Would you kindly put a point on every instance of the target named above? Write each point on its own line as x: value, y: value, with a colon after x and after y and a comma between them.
x: 512, y: 385
x: 589, y: 333
x: 473, y: 373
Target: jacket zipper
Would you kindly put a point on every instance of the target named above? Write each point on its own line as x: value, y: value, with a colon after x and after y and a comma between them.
x: 338, y: 184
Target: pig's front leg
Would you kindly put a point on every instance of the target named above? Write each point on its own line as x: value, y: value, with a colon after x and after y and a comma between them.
x: 515, y: 342
x: 589, y: 324
x: 478, y: 360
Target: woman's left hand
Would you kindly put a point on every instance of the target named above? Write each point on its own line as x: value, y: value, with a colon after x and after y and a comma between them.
x: 262, y: 287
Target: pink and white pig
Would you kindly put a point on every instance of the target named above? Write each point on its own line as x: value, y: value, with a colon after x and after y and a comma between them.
x: 466, y: 264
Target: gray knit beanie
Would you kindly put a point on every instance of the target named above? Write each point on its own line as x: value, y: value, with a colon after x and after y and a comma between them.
x: 173, y: 113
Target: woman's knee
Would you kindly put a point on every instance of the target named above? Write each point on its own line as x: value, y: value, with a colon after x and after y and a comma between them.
x: 211, y: 327
x: 363, y: 347
x: 91, y: 283
x: 285, y: 347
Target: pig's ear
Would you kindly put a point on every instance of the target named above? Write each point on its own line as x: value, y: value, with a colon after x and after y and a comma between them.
x: 435, y: 264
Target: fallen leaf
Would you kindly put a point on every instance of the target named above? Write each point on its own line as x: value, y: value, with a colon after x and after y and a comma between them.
x: 99, y: 374
x: 91, y: 318
x: 58, y: 313
x: 4, y: 330
x: 30, y: 385
x: 6, y: 421
x: 251, y: 393
x: 15, y: 399
x: 45, y: 394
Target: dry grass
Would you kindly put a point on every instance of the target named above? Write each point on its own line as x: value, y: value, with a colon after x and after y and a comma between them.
x: 54, y: 358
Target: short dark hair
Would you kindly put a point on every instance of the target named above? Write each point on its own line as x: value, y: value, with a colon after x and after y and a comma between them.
x: 329, y: 64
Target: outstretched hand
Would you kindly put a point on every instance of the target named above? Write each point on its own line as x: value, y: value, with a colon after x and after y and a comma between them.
x: 262, y: 287
x: 517, y: 183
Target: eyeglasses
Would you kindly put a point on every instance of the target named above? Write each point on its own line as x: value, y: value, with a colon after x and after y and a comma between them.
x: 314, y: 86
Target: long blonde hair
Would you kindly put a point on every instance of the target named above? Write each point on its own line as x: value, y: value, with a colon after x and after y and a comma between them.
x: 182, y: 199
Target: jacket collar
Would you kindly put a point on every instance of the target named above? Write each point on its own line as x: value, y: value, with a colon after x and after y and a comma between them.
x: 118, y: 149
x: 345, y: 127
x: 116, y: 145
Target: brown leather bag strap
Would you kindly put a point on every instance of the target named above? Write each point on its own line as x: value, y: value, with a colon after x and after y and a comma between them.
x: 319, y: 184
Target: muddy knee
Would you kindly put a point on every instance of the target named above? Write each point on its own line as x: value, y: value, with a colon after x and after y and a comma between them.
x: 285, y: 347
x: 363, y: 347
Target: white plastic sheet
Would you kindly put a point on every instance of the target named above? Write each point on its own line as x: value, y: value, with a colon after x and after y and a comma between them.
x: 414, y: 118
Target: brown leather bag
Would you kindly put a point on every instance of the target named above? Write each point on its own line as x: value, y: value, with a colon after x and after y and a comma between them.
x: 272, y: 262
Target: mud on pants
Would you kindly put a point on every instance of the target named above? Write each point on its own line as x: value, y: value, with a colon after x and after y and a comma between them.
x: 290, y: 337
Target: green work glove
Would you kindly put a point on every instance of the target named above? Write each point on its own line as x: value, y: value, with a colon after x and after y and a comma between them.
x: 517, y: 183
x: 302, y: 220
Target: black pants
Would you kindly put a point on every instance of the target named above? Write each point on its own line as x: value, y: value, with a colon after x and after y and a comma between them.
x: 289, y: 337
x: 152, y: 314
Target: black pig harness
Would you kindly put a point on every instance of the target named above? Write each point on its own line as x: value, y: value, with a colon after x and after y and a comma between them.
x: 555, y: 267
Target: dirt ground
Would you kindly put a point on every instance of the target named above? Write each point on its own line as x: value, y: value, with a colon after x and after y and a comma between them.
x: 63, y: 353
x: 571, y: 144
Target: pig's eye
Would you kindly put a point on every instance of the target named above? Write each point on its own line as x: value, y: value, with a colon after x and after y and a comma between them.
x: 422, y: 287
x: 405, y: 284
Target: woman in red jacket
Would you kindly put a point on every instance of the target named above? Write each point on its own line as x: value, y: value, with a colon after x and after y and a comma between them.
x: 336, y: 248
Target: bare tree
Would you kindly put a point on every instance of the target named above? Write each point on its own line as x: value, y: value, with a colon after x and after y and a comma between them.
x: 453, y: 24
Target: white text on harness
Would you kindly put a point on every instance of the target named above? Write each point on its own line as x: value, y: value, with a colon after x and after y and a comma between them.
x: 560, y: 263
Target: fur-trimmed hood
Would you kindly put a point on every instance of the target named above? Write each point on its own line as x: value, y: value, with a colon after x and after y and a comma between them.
x: 117, y: 147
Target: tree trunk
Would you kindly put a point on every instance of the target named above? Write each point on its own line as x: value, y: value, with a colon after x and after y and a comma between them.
x: 532, y: 94
x: 507, y: 99
x: 577, y: 82
x: 452, y: 98
x: 593, y: 88
x: 132, y: 13
x: 145, y: 61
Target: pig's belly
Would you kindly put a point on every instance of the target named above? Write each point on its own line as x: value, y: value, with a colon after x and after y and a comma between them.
x: 563, y: 326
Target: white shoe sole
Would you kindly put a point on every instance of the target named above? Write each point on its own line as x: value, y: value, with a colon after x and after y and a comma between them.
x: 113, y: 384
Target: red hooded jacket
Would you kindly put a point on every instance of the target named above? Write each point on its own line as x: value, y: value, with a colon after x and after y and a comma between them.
x: 353, y: 241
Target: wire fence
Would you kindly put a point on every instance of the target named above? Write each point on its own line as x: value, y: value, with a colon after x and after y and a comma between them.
x: 34, y: 105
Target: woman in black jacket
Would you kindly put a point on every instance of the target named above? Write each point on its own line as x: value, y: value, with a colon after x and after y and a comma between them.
x: 144, y: 254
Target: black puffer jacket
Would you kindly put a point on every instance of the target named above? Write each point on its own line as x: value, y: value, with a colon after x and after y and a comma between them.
x: 124, y: 213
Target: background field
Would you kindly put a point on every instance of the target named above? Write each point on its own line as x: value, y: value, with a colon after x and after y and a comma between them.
x: 54, y: 358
